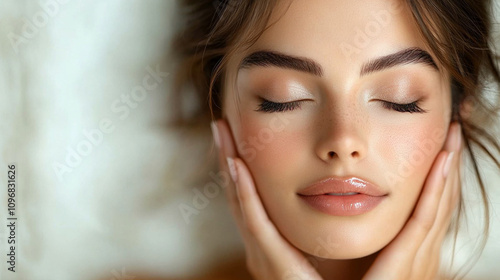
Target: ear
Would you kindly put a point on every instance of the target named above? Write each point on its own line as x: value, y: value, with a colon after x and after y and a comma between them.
x: 466, y: 108
x: 463, y: 110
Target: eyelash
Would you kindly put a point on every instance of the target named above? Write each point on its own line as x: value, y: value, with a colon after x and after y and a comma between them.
x: 404, y: 108
x: 273, y: 107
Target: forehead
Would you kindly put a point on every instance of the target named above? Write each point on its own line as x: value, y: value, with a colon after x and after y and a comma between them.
x: 341, y: 35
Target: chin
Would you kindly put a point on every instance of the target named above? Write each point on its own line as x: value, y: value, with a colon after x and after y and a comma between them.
x: 350, y: 253
x: 340, y: 238
x: 344, y: 251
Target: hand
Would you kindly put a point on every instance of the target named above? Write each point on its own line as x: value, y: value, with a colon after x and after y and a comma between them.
x: 414, y: 253
x: 268, y: 254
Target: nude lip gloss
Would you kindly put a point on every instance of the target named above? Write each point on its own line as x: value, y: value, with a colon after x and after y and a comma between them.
x: 342, y: 197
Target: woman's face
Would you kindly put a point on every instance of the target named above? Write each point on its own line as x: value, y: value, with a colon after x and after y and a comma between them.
x: 343, y: 61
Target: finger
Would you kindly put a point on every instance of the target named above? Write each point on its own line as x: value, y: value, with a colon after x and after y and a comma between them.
x: 227, y: 141
x: 403, y: 249
x: 453, y: 190
x: 227, y: 149
x: 448, y: 208
x: 288, y: 260
x: 405, y: 246
x: 428, y: 254
x: 452, y: 187
x: 224, y: 140
x: 254, y: 214
x: 426, y: 257
x: 426, y: 211
x: 223, y: 137
x: 432, y: 242
x: 449, y: 201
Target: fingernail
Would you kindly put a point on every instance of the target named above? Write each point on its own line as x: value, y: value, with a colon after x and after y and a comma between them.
x: 459, y: 137
x: 447, y: 164
x: 232, y: 169
x: 215, y: 133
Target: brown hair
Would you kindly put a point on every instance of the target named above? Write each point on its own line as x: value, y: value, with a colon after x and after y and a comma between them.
x: 457, y: 32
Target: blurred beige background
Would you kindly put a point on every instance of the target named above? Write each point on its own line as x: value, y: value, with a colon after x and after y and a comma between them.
x: 101, y: 205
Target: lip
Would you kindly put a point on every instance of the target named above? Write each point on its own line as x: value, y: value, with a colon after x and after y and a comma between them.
x: 354, y: 196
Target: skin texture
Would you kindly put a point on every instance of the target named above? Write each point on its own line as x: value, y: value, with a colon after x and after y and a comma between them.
x: 342, y: 114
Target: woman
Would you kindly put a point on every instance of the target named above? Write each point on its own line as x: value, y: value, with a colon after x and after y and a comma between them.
x: 342, y: 124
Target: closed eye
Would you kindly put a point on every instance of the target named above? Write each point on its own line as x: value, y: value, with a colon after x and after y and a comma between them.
x: 272, y: 107
x: 403, y: 108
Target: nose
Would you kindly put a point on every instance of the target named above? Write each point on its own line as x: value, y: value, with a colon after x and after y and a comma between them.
x: 342, y: 139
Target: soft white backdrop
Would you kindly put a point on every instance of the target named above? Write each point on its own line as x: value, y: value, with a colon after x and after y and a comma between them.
x: 116, y: 210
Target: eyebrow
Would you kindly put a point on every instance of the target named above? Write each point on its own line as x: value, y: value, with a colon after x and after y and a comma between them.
x: 272, y: 58
x: 403, y: 57
x: 267, y: 58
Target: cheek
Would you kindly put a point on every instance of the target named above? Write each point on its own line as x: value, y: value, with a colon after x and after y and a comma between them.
x: 407, y: 155
x: 401, y: 155
x: 269, y: 147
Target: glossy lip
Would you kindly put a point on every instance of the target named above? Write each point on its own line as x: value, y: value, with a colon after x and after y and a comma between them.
x: 354, y: 196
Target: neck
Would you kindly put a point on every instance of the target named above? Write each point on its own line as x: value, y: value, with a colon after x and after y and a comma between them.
x: 353, y: 269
